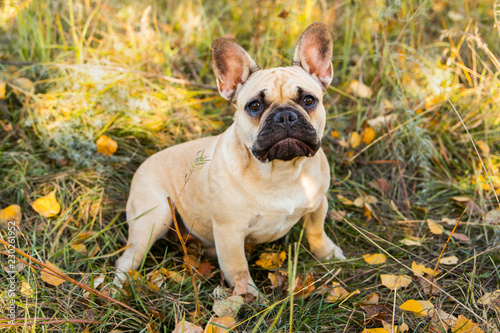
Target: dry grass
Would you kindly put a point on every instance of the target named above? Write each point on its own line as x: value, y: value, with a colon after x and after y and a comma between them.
x: 107, y: 68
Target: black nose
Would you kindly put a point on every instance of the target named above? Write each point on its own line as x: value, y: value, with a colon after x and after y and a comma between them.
x: 285, y: 118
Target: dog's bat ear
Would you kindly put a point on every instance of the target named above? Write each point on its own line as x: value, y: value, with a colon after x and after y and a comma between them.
x: 232, y: 66
x: 314, y: 53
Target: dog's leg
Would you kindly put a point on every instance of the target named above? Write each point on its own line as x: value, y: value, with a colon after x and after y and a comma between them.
x: 149, y: 218
x: 230, y: 247
x: 319, y: 243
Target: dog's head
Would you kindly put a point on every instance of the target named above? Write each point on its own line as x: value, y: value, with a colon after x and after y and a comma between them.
x: 280, y: 113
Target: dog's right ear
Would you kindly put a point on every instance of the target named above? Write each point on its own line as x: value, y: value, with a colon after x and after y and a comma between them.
x: 232, y: 66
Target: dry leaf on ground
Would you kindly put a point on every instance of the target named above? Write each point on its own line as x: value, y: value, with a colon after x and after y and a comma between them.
x: 344, y: 200
x: 382, y: 184
x: 11, y: 213
x: 106, y: 145
x: 80, y: 248
x: 360, y: 89
x: 420, y: 269
x: 228, y: 307
x: 464, y: 325
x: 420, y: 308
x: 435, y: 228
x: 376, y: 313
x: 278, y: 279
x: 303, y: 287
x: 395, y: 281
x: 186, y: 327
x: 375, y: 259
x: 460, y: 237
x: 48, y: 205
x: 337, y: 293
x: 51, y: 279
x: 3, y: 89
x: 271, y: 260
x: 451, y: 260
x: 375, y: 330
x: 205, y: 268
x: 492, y: 217
x: 403, y: 328
x: 25, y: 289
x: 355, y: 139
x: 177, y: 277
x: 220, y: 325
x: 441, y: 321
x: 491, y: 299
x: 411, y: 242
x: 373, y: 298
x: 428, y: 287
x: 368, y: 135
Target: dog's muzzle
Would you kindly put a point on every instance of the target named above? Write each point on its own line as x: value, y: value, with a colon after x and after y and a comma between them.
x: 285, y: 134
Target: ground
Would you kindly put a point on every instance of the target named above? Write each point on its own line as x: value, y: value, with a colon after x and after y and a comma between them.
x: 412, y: 138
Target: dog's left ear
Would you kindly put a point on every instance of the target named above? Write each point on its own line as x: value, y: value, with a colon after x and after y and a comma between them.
x: 314, y: 53
x: 232, y: 66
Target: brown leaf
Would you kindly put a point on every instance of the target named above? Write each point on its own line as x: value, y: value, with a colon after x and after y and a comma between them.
x: 381, y: 184
x: 460, y: 237
x: 206, y: 268
x: 278, y: 279
x: 51, y: 279
x: 337, y: 215
x: 220, y: 325
x: 303, y: 287
x: 428, y: 288
x: 185, y: 326
x: 376, y: 313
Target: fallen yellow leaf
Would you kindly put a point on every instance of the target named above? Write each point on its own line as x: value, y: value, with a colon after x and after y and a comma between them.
x: 375, y: 259
x: 335, y: 134
x: 395, y: 281
x: 106, y: 145
x: 403, y: 328
x: 337, y: 293
x: 434, y: 227
x: 360, y: 89
x: 375, y: 330
x: 344, y: 200
x: 26, y: 289
x: 421, y: 308
x: 419, y: 269
x: 464, y: 325
x: 355, y: 139
x: 51, y: 279
x: 483, y: 146
x: 3, y: 86
x: 47, y: 206
x: 220, y: 325
x: 11, y: 213
x: 80, y: 248
x: 185, y: 326
x: 271, y: 260
x: 492, y: 298
x: 368, y: 135
x: 451, y: 260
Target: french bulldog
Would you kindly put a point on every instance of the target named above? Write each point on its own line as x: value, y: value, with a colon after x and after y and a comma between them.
x: 255, y: 181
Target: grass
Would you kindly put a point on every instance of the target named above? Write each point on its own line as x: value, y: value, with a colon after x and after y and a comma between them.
x: 107, y: 68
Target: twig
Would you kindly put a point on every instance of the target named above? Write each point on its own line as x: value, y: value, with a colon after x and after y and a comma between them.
x: 51, y: 322
x: 446, y: 244
x: 67, y: 278
x: 184, y: 249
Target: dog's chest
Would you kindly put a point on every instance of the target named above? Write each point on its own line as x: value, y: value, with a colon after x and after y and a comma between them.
x: 277, y: 215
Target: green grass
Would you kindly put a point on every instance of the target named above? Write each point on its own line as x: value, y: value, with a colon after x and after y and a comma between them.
x: 105, y: 68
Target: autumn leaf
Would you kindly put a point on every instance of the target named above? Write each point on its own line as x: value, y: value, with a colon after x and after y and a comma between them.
x: 23, y: 84
x: 278, y: 279
x: 106, y: 145
x: 240, y: 284
x: 490, y: 299
x: 344, y: 200
x: 228, y: 307
x: 360, y: 89
x: 335, y: 134
x: 338, y: 293
x: 205, y: 268
x: 220, y: 325
x: 492, y: 217
x: 51, y: 279
x: 48, y: 205
x: 395, y: 281
x: 80, y: 248
x: 185, y: 326
x: 355, y: 139
x: 271, y: 260
x: 368, y: 135
x: 460, y: 237
x: 420, y: 308
x: 303, y: 286
x: 11, y: 213
x: 26, y: 289
x: 375, y: 330
x: 435, y: 228
x: 420, y: 269
x: 375, y: 259
x: 451, y: 260
x: 176, y: 277
x: 403, y: 328
x: 464, y: 325
x: 3, y: 87
x: 373, y: 298
x: 382, y: 184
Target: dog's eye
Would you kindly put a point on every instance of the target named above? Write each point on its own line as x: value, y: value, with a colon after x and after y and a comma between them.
x: 309, y: 100
x: 254, y: 106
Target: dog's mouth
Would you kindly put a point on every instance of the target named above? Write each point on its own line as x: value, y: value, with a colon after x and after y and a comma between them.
x: 286, y: 150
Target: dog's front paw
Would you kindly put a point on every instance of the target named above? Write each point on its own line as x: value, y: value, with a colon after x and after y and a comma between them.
x: 328, y: 251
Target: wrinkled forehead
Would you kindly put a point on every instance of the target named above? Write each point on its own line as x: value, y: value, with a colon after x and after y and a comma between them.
x: 279, y: 84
